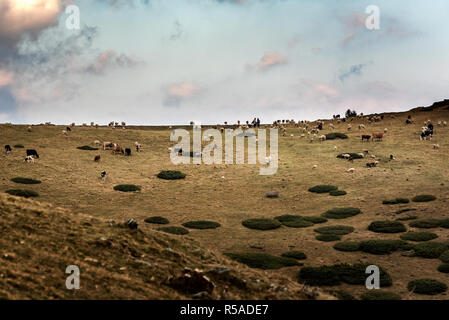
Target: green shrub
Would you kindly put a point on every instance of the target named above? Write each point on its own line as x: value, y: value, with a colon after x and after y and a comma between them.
x: 444, y: 268
x: 445, y: 256
x: 298, y: 255
x: 88, y: 148
x: 341, y: 213
x: 322, y: 188
x: 22, y: 193
x: 174, y: 230
x: 382, y: 246
x: 418, y: 236
x: 347, y: 246
x: 423, y: 198
x: 336, y: 135
x: 351, y: 154
x: 426, y: 286
x: 201, y: 224
x: 430, y: 250
x: 336, y: 274
x: 444, y: 223
x: 315, y: 219
x: 171, y: 175
x: 387, y: 227
x: 342, y: 295
x: 337, y: 193
x: 262, y: 260
x: 20, y: 146
x: 25, y: 180
x: 379, y: 295
x: 425, y: 223
x: 293, y: 221
x: 339, y: 230
x: 127, y: 188
x: 328, y: 237
x: 404, y: 210
x: 157, y: 220
x: 396, y: 201
x: 261, y: 224
x: 407, y: 218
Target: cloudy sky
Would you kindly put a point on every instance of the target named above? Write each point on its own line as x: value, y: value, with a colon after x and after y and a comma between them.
x: 173, y: 61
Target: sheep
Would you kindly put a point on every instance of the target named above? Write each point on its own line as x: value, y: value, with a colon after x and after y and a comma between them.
x: 373, y: 156
x: 444, y: 123
x: 361, y: 127
x: 315, y: 166
x: 350, y: 170
x: 335, y: 148
x: 303, y: 135
x: 311, y: 140
x: 138, y: 146
x: 30, y: 129
x: 322, y: 138
x: 346, y: 156
x: 385, y: 130
x: 436, y: 146
x: 64, y: 132
x: 331, y: 127
x: 97, y: 142
x: 372, y: 164
x: 29, y: 159
x: 349, y: 127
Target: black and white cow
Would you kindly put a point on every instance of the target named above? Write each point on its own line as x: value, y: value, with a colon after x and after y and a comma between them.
x: 8, y: 149
x: 33, y: 153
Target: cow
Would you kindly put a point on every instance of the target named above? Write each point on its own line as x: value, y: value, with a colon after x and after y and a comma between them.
x: 127, y: 151
x: 108, y: 145
x: 138, y: 146
x: 377, y: 136
x: 8, y: 149
x: 426, y: 132
x: 97, y: 158
x: 117, y: 149
x: 29, y: 159
x: 366, y: 137
x: 33, y: 153
x: 103, y: 175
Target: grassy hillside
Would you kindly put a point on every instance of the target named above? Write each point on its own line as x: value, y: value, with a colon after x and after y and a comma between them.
x: 230, y: 194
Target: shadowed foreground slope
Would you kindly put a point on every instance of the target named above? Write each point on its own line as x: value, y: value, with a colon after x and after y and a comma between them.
x: 38, y: 241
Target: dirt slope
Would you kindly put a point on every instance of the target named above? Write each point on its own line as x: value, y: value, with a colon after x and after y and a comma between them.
x: 38, y: 241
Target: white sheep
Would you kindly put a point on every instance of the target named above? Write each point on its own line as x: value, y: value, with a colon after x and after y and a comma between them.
x: 350, y: 170
x: 315, y: 166
x: 436, y: 146
x: 385, y: 130
x: 335, y: 148
x: 322, y: 137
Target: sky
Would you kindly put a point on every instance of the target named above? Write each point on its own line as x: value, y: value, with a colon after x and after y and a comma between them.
x: 162, y: 62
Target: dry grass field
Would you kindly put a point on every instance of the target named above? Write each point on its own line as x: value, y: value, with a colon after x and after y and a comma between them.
x: 70, y: 180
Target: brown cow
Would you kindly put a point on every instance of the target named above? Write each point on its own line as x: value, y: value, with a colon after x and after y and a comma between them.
x: 118, y: 149
x: 97, y: 158
x: 378, y: 136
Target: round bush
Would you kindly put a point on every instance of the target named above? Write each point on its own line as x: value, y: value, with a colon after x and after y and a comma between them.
x: 337, y: 193
x: 444, y: 268
x: 336, y: 135
x: 347, y: 246
x: 322, y: 188
x: 418, y: 236
x: 171, y: 175
x: 328, y: 237
x: 201, y: 224
x: 423, y: 198
x: 407, y: 218
x: 174, y: 230
x: 379, y: 295
x: 293, y: 221
x: 157, y: 220
x: 445, y: 256
x: 339, y: 230
x: 430, y: 250
x: 382, y: 246
x: 396, y: 201
x: 425, y: 223
x: 387, y: 227
x: 335, y: 274
x: 20, y: 146
x: 444, y: 223
x: 88, y: 148
x: 262, y: 260
x: 22, y: 193
x: 261, y: 224
x: 298, y: 255
x: 404, y: 210
x: 127, y: 188
x: 25, y: 180
x: 426, y: 286
x: 342, y: 295
x: 315, y: 219
x: 341, y: 213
